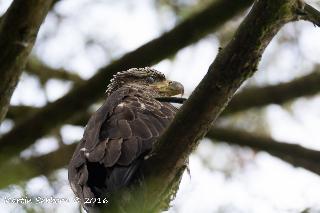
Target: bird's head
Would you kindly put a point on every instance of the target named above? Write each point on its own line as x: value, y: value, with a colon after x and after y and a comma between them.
x: 147, y: 79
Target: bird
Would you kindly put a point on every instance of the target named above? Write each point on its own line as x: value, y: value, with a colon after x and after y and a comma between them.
x: 121, y: 133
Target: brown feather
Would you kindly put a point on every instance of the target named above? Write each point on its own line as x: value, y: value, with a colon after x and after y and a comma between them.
x: 115, y: 141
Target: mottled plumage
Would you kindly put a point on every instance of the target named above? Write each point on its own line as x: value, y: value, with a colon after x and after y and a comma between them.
x: 122, y: 132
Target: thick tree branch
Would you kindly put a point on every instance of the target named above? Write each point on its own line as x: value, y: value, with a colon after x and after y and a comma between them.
x: 23, y: 170
x: 18, y: 30
x: 19, y: 112
x: 233, y: 65
x: 45, y: 73
x: 294, y: 154
x: 275, y: 94
x: 81, y: 97
x: 54, y: 3
x: 310, y: 14
x: 248, y: 98
x: 18, y: 170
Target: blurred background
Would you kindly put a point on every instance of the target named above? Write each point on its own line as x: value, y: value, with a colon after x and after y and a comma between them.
x: 80, y: 36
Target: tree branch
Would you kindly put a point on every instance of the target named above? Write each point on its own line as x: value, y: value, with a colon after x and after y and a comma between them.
x: 19, y: 112
x: 54, y: 3
x: 18, y: 30
x: 45, y: 73
x: 18, y: 170
x: 248, y: 98
x: 275, y: 94
x: 310, y: 14
x: 233, y: 65
x: 81, y: 97
x: 294, y: 154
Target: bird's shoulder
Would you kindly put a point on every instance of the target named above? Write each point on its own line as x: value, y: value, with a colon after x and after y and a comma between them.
x: 128, y: 112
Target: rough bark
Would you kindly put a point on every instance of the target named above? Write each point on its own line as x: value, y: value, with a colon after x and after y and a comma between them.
x: 233, y: 65
x: 81, y: 97
x: 253, y: 97
x: 18, y: 30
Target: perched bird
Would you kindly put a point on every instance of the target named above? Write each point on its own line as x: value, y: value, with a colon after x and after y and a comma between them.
x: 121, y: 133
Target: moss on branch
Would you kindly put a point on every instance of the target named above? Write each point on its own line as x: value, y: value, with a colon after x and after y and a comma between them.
x: 18, y: 30
x: 233, y: 65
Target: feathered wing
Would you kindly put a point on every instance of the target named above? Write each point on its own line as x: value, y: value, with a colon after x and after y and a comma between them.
x: 116, y: 139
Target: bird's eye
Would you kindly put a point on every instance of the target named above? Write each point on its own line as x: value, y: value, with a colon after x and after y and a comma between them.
x: 150, y: 80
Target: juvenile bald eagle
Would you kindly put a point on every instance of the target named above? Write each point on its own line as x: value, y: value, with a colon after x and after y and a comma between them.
x: 121, y: 133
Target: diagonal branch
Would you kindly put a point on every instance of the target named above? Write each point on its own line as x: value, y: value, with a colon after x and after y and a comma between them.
x: 18, y: 30
x: 81, y: 97
x: 248, y: 98
x: 45, y: 73
x: 294, y: 154
x: 23, y: 170
x: 233, y: 65
x: 54, y: 2
x: 18, y: 112
x: 19, y: 170
x: 311, y: 14
x: 275, y: 94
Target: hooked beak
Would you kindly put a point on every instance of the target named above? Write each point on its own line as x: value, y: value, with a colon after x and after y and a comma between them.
x: 169, y: 88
